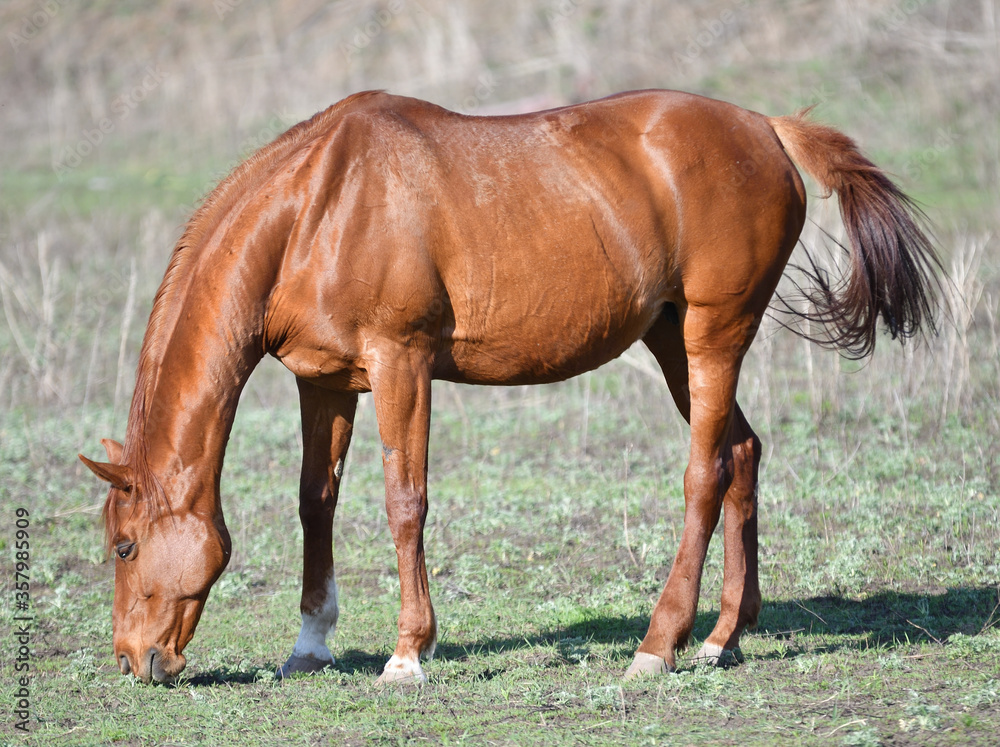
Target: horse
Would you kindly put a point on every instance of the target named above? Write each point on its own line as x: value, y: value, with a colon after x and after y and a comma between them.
x: 387, y: 242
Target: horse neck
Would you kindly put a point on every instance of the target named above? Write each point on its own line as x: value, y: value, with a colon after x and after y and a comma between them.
x: 196, y: 365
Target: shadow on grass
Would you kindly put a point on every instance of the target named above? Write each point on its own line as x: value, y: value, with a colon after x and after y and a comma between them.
x: 884, y: 620
x: 348, y: 662
x: 887, y: 619
x: 226, y: 676
x: 353, y: 661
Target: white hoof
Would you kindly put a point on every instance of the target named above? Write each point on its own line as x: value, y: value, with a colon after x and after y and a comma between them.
x: 647, y: 664
x: 401, y: 672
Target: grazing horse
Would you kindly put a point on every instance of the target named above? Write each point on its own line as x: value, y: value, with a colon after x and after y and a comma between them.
x: 387, y: 242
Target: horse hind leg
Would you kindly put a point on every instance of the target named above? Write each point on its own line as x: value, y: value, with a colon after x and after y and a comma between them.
x: 701, y: 362
x: 327, y: 423
x: 741, y: 599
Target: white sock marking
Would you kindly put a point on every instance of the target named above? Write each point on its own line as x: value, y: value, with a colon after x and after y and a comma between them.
x: 315, y: 627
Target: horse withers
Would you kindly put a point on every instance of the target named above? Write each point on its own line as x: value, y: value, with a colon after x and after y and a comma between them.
x: 387, y: 242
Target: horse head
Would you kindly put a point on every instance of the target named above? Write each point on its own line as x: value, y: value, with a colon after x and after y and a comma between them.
x: 166, y: 560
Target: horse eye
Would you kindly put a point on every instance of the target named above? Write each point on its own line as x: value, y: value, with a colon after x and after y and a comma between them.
x: 124, y: 550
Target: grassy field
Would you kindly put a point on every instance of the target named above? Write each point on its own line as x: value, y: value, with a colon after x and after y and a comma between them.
x: 879, y: 626
x: 554, y: 511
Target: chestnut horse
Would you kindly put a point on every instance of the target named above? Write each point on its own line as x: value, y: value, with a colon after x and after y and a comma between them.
x: 387, y: 242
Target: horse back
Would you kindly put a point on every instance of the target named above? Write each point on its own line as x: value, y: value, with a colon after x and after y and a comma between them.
x: 517, y: 249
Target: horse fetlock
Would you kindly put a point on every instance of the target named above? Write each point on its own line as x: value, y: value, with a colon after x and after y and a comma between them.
x: 750, y: 612
x: 427, y: 652
x: 418, y: 633
x: 317, y: 624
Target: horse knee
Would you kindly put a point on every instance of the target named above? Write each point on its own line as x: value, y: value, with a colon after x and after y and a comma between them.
x: 406, y: 511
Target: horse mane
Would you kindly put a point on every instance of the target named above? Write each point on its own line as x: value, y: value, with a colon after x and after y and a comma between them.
x: 241, y: 182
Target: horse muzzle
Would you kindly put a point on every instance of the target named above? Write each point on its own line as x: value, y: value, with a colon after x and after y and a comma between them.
x: 154, y: 664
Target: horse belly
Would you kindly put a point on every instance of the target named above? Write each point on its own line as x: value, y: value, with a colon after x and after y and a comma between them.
x: 537, y: 348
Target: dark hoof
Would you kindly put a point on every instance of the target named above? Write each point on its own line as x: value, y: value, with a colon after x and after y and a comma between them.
x: 300, y: 664
x: 713, y: 655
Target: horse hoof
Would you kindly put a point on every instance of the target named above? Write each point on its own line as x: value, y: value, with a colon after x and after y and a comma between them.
x: 647, y: 664
x: 299, y: 664
x: 399, y: 672
x: 713, y: 655
x: 401, y: 679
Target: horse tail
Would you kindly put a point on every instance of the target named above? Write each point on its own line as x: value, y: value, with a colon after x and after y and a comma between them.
x: 893, y: 265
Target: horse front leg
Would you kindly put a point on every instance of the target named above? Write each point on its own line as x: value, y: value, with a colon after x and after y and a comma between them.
x: 327, y: 423
x: 401, y: 388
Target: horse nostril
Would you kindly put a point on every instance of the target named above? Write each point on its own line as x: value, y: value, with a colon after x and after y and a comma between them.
x: 124, y: 665
x: 164, y: 667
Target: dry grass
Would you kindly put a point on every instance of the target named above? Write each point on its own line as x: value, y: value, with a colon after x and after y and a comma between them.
x: 144, y: 106
x: 119, y: 115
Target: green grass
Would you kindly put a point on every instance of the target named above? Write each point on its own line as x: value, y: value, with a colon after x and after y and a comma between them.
x: 879, y: 623
x: 127, y: 188
x: 880, y: 485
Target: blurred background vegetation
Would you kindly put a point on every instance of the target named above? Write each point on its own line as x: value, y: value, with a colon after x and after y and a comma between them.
x: 119, y: 117
x: 880, y: 479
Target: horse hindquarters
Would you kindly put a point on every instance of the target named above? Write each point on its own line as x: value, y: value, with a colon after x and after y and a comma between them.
x: 738, y: 238
x: 728, y: 280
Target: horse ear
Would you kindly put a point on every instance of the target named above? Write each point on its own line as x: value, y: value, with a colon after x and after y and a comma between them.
x: 119, y: 475
x: 114, y: 450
